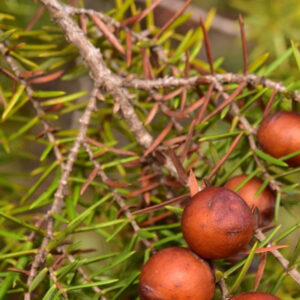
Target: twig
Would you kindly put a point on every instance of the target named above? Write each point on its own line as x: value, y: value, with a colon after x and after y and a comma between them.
x: 222, y: 284
x: 80, y: 270
x: 61, y: 190
x: 282, y: 260
x: 251, y: 136
x: 102, y: 75
x: 35, y: 103
x: 250, y: 79
x: 224, y: 289
x: 58, y: 285
x: 137, y: 37
x: 173, y: 82
x: 118, y: 198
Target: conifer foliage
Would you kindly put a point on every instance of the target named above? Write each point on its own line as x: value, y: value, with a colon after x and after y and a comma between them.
x: 109, y: 124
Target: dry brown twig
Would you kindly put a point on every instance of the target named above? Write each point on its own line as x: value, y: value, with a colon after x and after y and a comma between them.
x: 61, y: 190
x: 117, y: 197
x: 251, y: 79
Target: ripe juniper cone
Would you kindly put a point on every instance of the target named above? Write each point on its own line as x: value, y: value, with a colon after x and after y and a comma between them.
x: 176, y: 273
x: 279, y: 135
x: 265, y: 201
x: 254, y: 296
x: 217, y: 223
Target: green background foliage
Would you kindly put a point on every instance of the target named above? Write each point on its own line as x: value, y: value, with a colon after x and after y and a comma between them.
x: 92, y: 228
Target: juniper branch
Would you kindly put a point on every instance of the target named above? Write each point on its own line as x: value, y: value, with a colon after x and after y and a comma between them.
x: 39, y: 111
x: 102, y: 75
x: 252, y: 80
x: 291, y: 271
x: 117, y: 197
x: 61, y: 190
x: 137, y: 37
x: 251, y: 136
x: 80, y: 270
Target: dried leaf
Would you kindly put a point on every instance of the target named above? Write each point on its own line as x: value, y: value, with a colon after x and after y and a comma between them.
x: 108, y: 34
x: 128, y: 49
x: 266, y: 249
x: 145, y: 12
x: 83, y: 23
x: 172, y: 20
x: 147, y: 177
x: 179, y: 167
x: 46, y: 78
x: 226, y: 155
x: 155, y: 219
x: 205, y: 104
x: 188, y: 141
x: 35, y: 18
x: 148, y: 71
x: 159, y: 139
x: 109, y: 148
x: 172, y: 183
x: 226, y: 102
x: 161, y: 205
x: 91, y: 177
x: 27, y: 74
x: 270, y: 102
x: 183, y: 99
x: 143, y: 190
x: 260, y: 270
x: 116, y: 184
x: 8, y: 74
x: 152, y: 113
x: 172, y: 94
x: 133, y: 163
x: 193, y: 184
x: 53, y: 108
x: 207, y: 47
x: 175, y: 140
x: 194, y: 106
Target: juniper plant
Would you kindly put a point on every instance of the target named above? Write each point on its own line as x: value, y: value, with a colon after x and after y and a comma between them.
x: 107, y: 123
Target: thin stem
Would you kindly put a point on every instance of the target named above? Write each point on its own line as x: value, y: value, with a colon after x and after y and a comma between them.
x: 61, y: 190
x: 282, y: 260
x: 118, y: 198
